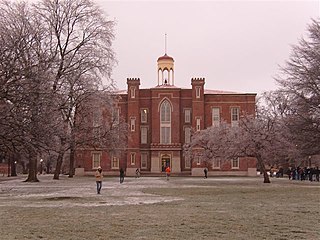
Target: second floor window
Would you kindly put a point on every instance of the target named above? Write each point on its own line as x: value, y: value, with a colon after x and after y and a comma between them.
x: 235, y: 116
x: 187, y: 115
x: 144, y: 135
x: 215, y: 117
x: 144, y: 116
x: 165, y: 122
x: 187, y: 135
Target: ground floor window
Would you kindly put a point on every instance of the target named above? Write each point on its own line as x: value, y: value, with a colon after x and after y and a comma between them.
x: 96, y: 160
x: 216, y: 163
x: 133, y: 158
x: 115, y: 163
x: 144, y: 160
x: 235, y: 163
x: 187, y: 162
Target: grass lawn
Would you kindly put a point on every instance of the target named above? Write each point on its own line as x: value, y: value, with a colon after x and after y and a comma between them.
x: 153, y: 208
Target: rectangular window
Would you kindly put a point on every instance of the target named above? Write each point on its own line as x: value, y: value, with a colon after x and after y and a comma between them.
x: 187, y: 135
x: 234, y: 116
x: 187, y: 115
x: 133, y: 92
x: 133, y: 158
x: 144, y: 160
x: 115, y: 163
x: 116, y: 115
x: 198, y: 124
x: 198, y: 160
x: 216, y: 163
x: 215, y: 117
x: 165, y: 135
x: 133, y: 124
x: 96, y: 117
x: 96, y: 160
x: 198, y: 91
x: 144, y: 135
x: 187, y: 162
x: 144, y: 115
x: 235, y: 163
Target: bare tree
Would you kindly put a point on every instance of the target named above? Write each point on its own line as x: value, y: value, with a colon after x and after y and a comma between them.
x: 24, y: 77
x: 80, y: 41
x: 299, y: 81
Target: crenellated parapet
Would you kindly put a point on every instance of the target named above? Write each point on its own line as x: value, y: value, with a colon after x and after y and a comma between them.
x: 197, y: 80
x: 133, y: 81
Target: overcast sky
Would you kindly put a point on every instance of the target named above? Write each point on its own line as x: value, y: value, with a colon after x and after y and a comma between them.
x: 236, y: 45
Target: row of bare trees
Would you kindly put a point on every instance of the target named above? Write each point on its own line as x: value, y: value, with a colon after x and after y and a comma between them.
x: 54, y: 56
x: 287, y: 121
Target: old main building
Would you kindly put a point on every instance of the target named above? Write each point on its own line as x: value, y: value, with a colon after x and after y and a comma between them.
x: 160, y: 120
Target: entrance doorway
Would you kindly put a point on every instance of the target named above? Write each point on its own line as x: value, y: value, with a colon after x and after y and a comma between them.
x: 165, y: 162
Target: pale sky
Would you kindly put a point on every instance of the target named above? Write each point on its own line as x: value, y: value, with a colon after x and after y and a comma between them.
x: 235, y: 45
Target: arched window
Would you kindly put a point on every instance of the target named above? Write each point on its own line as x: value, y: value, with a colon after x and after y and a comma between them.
x: 165, y: 122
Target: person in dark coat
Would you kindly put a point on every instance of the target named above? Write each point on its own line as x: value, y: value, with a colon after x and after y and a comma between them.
x: 205, y: 172
x: 121, y: 175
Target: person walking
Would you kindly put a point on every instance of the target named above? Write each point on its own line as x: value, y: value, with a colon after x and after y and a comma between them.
x: 99, y: 177
x: 168, y: 171
x: 137, y: 172
x: 205, y: 172
x: 121, y: 175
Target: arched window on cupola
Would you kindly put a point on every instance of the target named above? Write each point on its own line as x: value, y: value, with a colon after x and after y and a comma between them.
x: 165, y: 122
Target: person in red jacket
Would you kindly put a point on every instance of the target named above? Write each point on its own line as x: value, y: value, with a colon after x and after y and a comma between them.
x: 168, y: 170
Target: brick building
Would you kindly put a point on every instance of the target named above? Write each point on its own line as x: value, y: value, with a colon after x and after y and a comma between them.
x: 160, y: 120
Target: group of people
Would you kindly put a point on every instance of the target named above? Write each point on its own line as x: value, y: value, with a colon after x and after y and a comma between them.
x: 306, y: 173
x: 99, y: 176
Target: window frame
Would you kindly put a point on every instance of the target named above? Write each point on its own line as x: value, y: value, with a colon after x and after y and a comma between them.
x: 216, y: 115
x: 144, y: 159
x: 96, y: 162
x: 237, y: 161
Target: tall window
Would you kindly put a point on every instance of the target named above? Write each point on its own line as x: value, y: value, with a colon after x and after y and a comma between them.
x: 215, y: 117
x: 96, y: 117
x: 133, y: 124
x: 165, y: 122
x: 133, y: 158
x: 133, y: 92
x: 144, y: 135
x: 187, y: 135
x: 198, y: 91
x: 115, y: 163
x: 96, y: 160
x: 116, y: 115
x: 144, y: 160
x: 235, y: 163
x: 235, y: 116
x: 187, y: 115
x: 198, y: 160
x: 144, y: 115
x: 188, y: 162
x: 216, y: 163
x: 198, y: 127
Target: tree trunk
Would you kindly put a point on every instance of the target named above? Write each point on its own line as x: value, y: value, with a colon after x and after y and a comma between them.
x: 13, y: 168
x: 32, y: 174
x: 58, y: 166
x: 266, y: 178
x: 71, y: 164
x: 72, y: 156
